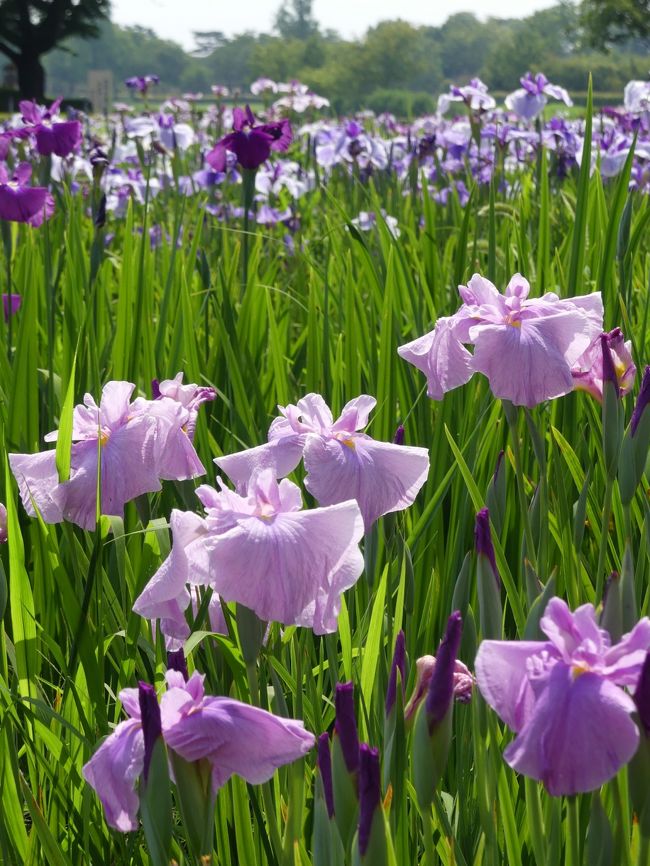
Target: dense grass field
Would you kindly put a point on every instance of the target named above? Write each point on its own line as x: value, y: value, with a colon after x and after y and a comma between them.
x: 322, y: 311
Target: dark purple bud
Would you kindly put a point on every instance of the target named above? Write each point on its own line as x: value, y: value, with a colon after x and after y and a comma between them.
x: 642, y: 695
x: 346, y: 725
x: 155, y: 389
x: 441, y: 687
x: 483, y: 540
x: 325, y: 767
x: 609, y: 371
x: 176, y: 662
x: 641, y: 401
x: 151, y: 724
x: 399, y: 659
x: 369, y: 793
x: 398, y: 438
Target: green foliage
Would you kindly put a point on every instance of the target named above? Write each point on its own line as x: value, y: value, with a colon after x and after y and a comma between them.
x: 612, y: 21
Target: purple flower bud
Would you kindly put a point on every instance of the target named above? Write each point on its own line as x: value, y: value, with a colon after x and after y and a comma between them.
x: 369, y: 793
x: 3, y: 524
x: 325, y: 767
x: 441, y: 687
x: 100, y: 216
x: 425, y: 666
x: 155, y: 389
x: 346, y: 725
x: 398, y: 438
x: 609, y: 371
x: 398, y: 664
x: 642, y: 695
x: 483, y: 541
x: 151, y: 723
x: 176, y: 662
x: 641, y: 401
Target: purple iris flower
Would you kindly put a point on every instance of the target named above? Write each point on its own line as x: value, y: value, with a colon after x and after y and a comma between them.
x: 60, y: 138
x: 20, y: 202
x: 140, y: 443
x: 475, y: 95
x: 342, y: 462
x: 251, y: 143
x: 530, y: 99
x: 564, y: 698
x: 141, y: 83
x: 589, y: 370
x: 527, y: 348
x: 260, y: 550
x: 232, y: 737
x: 11, y: 304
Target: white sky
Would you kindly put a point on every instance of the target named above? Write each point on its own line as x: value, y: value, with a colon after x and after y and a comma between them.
x: 176, y: 19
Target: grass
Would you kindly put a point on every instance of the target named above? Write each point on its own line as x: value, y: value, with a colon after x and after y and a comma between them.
x: 327, y: 319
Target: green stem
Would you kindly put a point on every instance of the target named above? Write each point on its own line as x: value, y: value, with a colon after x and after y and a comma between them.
x: 573, y: 832
x: 512, y: 416
x: 643, y: 858
x: 604, y: 538
x: 267, y: 794
x: 535, y: 822
x: 430, y: 856
x: 621, y: 823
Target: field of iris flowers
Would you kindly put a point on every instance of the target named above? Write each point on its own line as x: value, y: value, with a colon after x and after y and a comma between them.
x: 340, y: 552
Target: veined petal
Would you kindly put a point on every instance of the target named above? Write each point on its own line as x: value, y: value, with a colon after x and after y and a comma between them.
x: 291, y: 567
x: 502, y: 677
x: 579, y: 734
x: 281, y: 455
x: 381, y: 476
x: 38, y: 480
x: 235, y: 738
x: 166, y: 597
x: 113, y: 772
x: 441, y: 356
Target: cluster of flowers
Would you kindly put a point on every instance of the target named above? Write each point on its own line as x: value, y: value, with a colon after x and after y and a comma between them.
x: 257, y: 546
x: 450, y: 150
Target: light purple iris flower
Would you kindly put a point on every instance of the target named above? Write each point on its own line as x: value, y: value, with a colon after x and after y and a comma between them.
x: 235, y: 738
x: 532, y: 96
x: 475, y: 95
x: 251, y: 143
x: 564, y: 698
x: 20, y: 202
x: 260, y: 550
x: 588, y: 369
x: 141, y: 83
x: 139, y: 443
x: 342, y: 462
x: 58, y: 137
x: 527, y: 347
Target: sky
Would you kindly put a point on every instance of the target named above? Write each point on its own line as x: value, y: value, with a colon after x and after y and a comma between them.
x: 176, y: 19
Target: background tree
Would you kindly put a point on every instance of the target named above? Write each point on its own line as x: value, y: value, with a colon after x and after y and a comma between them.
x: 295, y: 20
x: 31, y: 28
x: 613, y: 21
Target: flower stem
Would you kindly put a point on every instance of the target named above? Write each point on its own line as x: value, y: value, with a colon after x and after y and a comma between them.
x: 604, y: 538
x: 573, y: 832
x: 512, y: 416
x: 643, y: 858
x: 430, y: 856
x: 535, y: 822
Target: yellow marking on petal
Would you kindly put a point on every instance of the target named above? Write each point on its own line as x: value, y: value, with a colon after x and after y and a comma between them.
x: 579, y: 669
x: 103, y: 439
x: 349, y: 443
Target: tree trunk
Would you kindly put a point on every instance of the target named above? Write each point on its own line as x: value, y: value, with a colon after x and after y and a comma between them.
x: 31, y: 77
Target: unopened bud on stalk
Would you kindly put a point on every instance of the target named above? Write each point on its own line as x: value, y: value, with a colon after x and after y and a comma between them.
x: 487, y: 577
x: 433, y: 724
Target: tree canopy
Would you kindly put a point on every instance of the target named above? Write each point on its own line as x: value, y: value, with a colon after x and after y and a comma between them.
x: 31, y: 28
